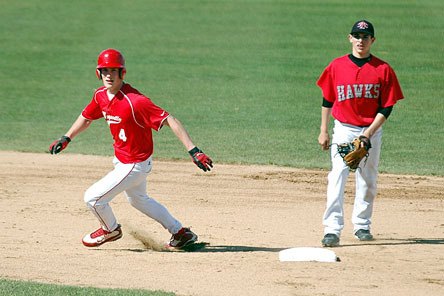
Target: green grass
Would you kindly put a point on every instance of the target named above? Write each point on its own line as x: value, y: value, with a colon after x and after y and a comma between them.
x: 240, y: 75
x: 16, y: 288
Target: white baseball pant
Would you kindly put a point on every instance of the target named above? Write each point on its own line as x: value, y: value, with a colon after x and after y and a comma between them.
x: 365, y: 177
x: 130, y: 179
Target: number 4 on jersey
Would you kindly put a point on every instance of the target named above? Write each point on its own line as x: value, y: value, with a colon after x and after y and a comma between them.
x: 122, y: 135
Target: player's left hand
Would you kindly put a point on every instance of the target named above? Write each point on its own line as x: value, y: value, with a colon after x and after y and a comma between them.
x: 365, y: 142
x: 201, y: 159
x: 58, y: 145
x: 353, y: 152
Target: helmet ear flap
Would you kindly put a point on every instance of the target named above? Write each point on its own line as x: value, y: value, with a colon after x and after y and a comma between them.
x: 98, y: 74
x: 122, y: 73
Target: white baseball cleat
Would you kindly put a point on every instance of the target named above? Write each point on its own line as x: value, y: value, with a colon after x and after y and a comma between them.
x: 101, y: 236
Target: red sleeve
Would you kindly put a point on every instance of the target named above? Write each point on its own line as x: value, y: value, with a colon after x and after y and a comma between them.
x: 325, y: 82
x: 391, y: 91
x: 151, y: 115
x: 92, y: 111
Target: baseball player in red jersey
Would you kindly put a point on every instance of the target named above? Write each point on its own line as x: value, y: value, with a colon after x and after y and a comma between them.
x: 359, y: 92
x: 131, y: 117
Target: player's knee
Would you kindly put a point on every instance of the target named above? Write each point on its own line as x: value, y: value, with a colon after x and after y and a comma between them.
x: 90, y: 198
x: 136, y: 200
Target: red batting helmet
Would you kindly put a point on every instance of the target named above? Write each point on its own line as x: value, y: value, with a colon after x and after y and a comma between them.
x: 110, y: 58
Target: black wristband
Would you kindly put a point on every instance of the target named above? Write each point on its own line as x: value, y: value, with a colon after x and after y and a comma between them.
x: 326, y: 104
x: 194, y: 151
x: 66, y: 138
x: 386, y: 111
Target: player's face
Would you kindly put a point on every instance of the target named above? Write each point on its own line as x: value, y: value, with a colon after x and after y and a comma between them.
x: 111, y: 79
x: 361, y: 44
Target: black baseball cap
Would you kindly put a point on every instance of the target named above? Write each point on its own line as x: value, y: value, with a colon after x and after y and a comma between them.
x: 363, y: 26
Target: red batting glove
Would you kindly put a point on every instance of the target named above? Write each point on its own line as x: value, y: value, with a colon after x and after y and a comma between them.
x: 201, y: 159
x: 58, y: 145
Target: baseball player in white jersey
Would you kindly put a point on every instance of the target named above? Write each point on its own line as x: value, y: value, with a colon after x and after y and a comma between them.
x: 131, y: 117
x: 359, y: 91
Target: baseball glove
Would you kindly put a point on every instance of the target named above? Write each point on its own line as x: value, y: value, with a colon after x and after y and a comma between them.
x: 355, y: 151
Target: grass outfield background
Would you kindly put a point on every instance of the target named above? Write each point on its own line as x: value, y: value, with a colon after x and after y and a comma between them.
x: 240, y: 75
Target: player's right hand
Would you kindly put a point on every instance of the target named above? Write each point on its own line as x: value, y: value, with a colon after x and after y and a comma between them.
x: 324, y: 140
x: 59, y: 145
x: 201, y: 159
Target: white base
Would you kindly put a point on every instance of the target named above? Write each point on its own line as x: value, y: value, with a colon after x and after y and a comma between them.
x: 308, y: 254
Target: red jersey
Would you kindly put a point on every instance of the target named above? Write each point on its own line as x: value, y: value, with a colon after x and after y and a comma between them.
x: 131, y: 116
x: 357, y: 93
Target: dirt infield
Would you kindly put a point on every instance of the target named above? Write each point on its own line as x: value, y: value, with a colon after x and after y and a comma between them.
x: 246, y: 214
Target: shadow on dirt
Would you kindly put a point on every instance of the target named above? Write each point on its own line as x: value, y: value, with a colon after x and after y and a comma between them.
x: 207, y: 248
x: 396, y: 241
x: 204, y: 247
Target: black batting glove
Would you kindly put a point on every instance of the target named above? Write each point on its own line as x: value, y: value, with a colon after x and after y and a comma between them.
x: 58, y: 145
